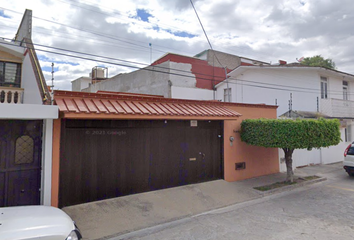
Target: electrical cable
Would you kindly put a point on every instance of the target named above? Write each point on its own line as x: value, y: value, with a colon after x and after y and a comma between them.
x: 124, y: 40
x: 245, y: 82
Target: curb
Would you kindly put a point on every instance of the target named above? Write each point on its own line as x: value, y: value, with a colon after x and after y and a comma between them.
x: 290, y: 187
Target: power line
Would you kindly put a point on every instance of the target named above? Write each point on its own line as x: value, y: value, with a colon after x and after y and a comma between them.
x: 120, y: 39
x: 95, y: 40
x: 206, y: 35
x: 85, y: 30
x: 245, y: 82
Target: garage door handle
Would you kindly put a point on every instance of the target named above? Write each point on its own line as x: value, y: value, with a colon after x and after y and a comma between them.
x: 22, y: 190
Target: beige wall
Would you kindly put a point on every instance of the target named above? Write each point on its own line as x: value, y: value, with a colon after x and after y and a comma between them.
x: 7, y: 57
x: 259, y: 160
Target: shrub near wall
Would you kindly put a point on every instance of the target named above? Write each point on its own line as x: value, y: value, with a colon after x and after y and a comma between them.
x: 289, y: 134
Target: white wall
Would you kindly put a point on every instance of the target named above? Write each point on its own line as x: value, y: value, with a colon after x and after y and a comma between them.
x: 47, y: 146
x: 31, y: 94
x: 80, y: 83
x: 140, y: 81
x: 191, y: 93
x: 274, y: 85
x: 262, y: 86
x: 301, y: 157
x: 187, y: 80
x: 28, y: 111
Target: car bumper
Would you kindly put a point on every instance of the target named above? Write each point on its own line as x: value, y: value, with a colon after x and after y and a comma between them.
x: 349, y: 169
x: 348, y: 163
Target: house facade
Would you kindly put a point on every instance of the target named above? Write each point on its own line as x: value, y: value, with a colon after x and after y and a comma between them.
x: 26, y: 123
x: 114, y: 144
x: 320, y: 91
x: 172, y: 76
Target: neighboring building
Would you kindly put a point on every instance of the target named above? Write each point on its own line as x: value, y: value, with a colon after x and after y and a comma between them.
x: 113, y: 144
x: 321, y: 91
x: 26, y: 120
x: 172, y: 76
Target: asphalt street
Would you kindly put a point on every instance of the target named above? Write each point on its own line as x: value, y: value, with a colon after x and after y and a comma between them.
x: 320, y: 211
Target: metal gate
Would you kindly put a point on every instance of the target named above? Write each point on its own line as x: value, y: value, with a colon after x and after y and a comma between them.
x: 20, y: 162
x: 105, y: 159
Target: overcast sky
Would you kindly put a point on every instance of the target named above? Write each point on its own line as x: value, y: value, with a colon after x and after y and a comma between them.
x: 265, y: 30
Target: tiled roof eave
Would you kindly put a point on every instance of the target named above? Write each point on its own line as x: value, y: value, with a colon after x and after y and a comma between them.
x: 74, y: 115
x: 142, y: 108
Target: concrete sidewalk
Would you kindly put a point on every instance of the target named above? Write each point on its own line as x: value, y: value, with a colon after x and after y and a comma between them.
x: 113, y: 217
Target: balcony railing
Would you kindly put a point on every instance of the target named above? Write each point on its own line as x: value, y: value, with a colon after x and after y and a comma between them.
x: 9, y: 95
x: 337, y: 108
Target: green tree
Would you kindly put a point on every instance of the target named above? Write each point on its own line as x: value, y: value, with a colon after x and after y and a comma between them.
x: 290, y: 134
x: 318, y: 61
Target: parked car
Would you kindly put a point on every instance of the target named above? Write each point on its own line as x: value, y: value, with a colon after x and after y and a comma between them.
x: 36, y: 222
x: 348, y: 163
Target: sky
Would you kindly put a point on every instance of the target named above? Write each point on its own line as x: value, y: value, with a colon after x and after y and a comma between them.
x: 124, y: 35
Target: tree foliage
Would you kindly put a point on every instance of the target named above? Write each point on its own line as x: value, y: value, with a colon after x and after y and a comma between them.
x: 319, y: 61
x: 287, y: 133
x: 290, y: 134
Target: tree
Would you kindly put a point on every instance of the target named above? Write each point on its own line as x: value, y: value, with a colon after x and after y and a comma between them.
x: 318, y: 61
x: 290, y: 134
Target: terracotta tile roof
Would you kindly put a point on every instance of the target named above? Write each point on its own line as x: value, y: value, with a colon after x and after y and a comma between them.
x: 73, y: 104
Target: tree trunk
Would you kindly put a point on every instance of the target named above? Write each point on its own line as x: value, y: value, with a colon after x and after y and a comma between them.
x: 289, y: 164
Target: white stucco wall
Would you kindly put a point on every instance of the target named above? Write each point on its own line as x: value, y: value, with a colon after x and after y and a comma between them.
x: 301, y: 157
x: 154, y: 82
x: 275, y: 85
x: 191, y: 93
x: 181, y: 75
x: 271, y: 86
x: 47, y: 146
x: 80, y: 83
x: 31, y: 94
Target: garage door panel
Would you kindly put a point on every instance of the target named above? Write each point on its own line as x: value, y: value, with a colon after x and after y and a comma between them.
x: 101, y: 163
x: 165, y: 157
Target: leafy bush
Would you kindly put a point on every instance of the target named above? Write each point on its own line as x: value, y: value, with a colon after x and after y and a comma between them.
x: 292, y: 134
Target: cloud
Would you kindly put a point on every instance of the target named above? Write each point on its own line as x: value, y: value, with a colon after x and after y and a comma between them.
x: 122, y: 31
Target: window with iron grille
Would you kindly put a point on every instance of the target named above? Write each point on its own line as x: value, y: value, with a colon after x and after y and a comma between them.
x: 10, y: 74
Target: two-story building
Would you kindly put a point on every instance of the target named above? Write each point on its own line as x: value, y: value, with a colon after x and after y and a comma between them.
x: 26, y: 123
x: 171, y: 76
x: 312, y: 91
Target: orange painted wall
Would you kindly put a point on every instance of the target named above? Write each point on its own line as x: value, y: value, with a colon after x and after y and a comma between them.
x: 55, y: 162
x: 259, y: 160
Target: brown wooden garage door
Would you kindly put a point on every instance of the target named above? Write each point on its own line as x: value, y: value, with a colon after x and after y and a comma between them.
x: 105, y: 159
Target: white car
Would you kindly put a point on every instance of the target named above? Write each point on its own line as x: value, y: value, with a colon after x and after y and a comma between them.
x: 348, y: 163
x: 36, y: 222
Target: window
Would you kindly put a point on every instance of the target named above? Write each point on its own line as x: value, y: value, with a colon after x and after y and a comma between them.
x: 24, y: 150
x: 10, y: 74
x: 324, y: 88
x: 345, y: 90
x: 227, y: 95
